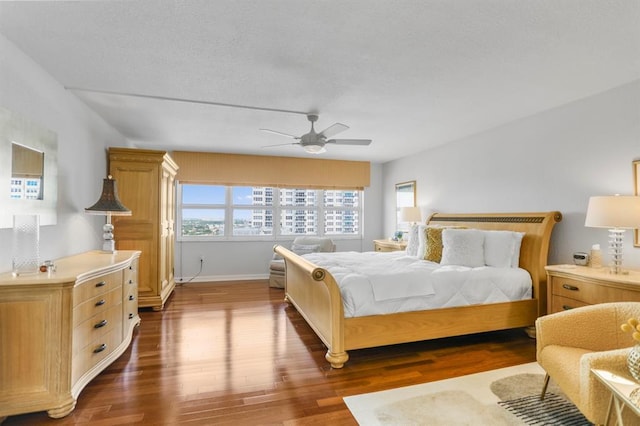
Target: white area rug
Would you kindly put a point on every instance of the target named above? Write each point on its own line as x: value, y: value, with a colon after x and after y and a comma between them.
x: 467, y: 400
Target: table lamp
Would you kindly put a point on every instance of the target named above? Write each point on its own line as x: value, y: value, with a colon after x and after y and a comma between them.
x: 108, y: 205
x: 618, y: 213
x: 410, y: 214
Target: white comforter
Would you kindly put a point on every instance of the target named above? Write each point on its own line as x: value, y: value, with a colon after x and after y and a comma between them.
x: 374, y: 283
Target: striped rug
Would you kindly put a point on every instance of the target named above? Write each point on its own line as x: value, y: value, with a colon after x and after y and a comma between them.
x: 553, y: 410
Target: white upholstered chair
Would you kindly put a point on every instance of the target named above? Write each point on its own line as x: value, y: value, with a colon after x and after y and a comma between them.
x: 300, y: 245
x: 571, y: 343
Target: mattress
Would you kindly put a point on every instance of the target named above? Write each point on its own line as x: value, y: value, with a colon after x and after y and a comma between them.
x: 377, y: 283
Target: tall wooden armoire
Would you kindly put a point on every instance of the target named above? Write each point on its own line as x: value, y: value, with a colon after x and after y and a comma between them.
x: 146, y: 185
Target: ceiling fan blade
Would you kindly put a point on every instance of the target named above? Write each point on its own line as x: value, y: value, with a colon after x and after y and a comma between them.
x: 361, y: 142
x: 334, y: 129
x: 280, y: 133
x: 281, y: 144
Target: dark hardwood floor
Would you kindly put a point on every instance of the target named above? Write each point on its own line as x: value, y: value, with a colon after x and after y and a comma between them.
x: 235, y: 354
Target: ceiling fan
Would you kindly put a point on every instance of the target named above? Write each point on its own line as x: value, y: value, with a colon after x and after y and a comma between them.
x: 314, y: 143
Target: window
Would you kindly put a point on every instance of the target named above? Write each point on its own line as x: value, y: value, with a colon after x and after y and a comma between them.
x: 341, y: 212
x: 203, y: 210
x: 240, y: 212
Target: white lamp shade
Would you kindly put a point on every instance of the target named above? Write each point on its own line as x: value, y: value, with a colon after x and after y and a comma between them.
x: 410, y: 214
x: 615, y: 211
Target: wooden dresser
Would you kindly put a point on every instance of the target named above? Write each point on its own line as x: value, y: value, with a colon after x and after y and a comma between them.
x: 146, y: 185
x: 58, y: 330
x: 389, y: 245
x: 572, y: 286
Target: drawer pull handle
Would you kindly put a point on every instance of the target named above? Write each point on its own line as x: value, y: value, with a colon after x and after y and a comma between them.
x: 566, y: 307
x: 130, y: 281
x: 101, y: 302
x: 130, y: 316
x: 131, y: 297
x: 100, y: 324
x: 100, y: 348
x: 570, y: 287
x: 101, y: 284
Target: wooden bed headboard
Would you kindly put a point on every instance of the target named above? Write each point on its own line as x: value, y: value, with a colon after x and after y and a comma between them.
x: 535, y: 244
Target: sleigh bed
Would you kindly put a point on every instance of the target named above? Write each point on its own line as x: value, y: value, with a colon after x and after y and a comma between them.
x: 315, y: 293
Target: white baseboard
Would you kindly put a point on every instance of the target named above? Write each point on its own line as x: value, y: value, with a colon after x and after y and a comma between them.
x: 210, y: 278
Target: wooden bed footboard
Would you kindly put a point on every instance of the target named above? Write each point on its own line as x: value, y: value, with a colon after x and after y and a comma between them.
x: 316, y: 295
x: 314, y: 292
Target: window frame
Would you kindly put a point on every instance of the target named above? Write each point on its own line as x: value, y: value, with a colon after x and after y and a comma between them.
x: 276, y: 208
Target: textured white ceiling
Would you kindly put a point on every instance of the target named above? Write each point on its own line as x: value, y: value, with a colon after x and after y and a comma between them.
x: 408, y: 74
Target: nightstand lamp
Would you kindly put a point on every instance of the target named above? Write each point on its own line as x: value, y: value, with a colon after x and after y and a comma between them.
x: 618, y: 213
x: 410, y: 214
x: 108, y: 205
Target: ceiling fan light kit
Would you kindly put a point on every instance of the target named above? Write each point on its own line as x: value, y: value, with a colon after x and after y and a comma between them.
x: 314, y: 148
x: 314, y: 143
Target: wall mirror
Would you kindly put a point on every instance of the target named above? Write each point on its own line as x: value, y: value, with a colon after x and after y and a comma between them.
x: 636, y: 184
x: 405, y: 197
x: 28, y: 170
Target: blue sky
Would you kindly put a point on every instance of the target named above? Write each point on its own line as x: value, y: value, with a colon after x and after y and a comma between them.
x: 209, y: 194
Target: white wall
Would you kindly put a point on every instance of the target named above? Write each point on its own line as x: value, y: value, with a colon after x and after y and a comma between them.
x: 26, y: 89
x: 554, y: 160
x: 250, y: 260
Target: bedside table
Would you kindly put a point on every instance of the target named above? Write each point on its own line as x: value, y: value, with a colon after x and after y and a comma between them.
x: 571, y: 286
x: 389, y: 245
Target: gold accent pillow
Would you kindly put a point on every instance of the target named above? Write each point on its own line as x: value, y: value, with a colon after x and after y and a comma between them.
x: 433, y: 250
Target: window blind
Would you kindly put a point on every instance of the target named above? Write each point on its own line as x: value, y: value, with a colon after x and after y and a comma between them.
x: 282, y: 172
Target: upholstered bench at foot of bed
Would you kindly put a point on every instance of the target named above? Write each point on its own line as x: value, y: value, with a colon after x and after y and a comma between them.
x: 300, y: 245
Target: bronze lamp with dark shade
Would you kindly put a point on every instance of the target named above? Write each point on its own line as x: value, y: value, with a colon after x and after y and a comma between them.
x: 109, y: 205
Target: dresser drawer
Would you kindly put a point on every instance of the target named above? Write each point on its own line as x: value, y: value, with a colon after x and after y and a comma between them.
x: 582, y: 291
x: 130, y: 301
x: 94, y: 352
x: 96, y: 305
x: 560, y: 303
x: 97, y: 326
x: 131, y: 274
x: 575, y: 286
x: 96, y: 287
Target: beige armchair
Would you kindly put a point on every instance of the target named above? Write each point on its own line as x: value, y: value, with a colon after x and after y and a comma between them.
x: 571, y: 343
x: 300, y: 245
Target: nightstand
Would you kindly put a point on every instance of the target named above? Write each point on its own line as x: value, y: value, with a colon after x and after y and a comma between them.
x: 389, y: 245
x: 571, y: 286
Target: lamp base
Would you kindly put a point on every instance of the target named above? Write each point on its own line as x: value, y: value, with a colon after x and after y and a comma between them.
x: 620, y: 272
x: 109, y: 246
x: 616, y: 238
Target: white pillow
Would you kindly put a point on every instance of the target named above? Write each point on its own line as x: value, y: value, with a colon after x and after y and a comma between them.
x: 422, y: 241
x: 305, y: 248
x: 502, y: 248
x: 412, y: 244
x: 517, y: 243
x: 463, y: 247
